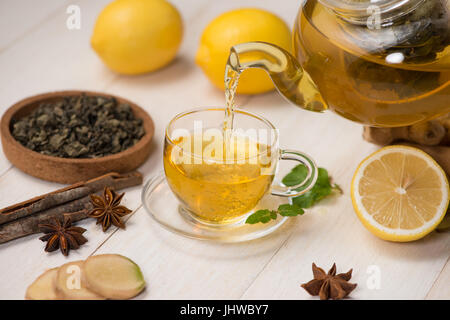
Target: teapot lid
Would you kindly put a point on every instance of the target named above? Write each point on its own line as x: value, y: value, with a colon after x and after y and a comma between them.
x: 360, y: 11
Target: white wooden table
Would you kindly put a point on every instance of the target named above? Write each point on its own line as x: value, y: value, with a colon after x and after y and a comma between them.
x: 38, y: 53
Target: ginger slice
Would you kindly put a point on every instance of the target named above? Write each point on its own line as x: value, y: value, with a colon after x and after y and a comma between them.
x: 43, y: 288
x: 69, y: 285
x: 113, y: 276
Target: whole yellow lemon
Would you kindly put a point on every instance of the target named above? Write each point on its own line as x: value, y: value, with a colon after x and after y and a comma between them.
x: 137, y: 36
x: 234, y: 27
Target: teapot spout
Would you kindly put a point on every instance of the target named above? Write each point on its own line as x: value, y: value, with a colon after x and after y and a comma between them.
x: 288, y: 76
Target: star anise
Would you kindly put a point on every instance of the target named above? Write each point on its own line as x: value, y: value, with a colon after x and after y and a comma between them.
x: 329, y: 285
x: 107, y: 209
x: 63, y: 236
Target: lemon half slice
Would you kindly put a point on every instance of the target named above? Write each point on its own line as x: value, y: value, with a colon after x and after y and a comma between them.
x: 400, y: 193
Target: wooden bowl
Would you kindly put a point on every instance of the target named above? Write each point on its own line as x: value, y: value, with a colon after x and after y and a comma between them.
x: 71, y: 170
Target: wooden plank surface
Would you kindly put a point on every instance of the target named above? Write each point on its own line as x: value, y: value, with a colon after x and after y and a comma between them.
x: 43, y: 55
x: 19, y: 18
x: 441, y: 287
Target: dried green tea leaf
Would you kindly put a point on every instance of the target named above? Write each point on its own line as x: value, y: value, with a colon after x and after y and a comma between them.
x: 79, y: 127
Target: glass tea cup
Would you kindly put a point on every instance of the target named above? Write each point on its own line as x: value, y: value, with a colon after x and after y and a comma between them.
x: 219, y: 176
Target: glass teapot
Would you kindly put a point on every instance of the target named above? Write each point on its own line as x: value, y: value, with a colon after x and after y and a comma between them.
x: 377, y: 62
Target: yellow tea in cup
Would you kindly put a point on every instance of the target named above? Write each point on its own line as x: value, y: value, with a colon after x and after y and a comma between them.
x: 218, y: 179
x: 220, y: 173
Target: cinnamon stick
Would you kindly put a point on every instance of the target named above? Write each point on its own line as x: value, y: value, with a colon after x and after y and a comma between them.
x: 76, y: 191
x: 22, y: 219
x: 29, y: 225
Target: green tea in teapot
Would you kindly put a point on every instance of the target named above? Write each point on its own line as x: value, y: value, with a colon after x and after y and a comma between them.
x: 392, y: 70
x: 391, y: 76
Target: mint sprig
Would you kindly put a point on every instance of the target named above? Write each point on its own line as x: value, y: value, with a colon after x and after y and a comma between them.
x: 322, y: 189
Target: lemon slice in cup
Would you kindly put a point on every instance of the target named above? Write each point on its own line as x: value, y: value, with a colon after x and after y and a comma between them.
x: 400, y: 193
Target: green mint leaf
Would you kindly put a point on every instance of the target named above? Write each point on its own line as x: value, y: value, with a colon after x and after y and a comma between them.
x: 321, y: 189
x: 262, y: 216
x: 290, y: 210
x: 305, y: 201
x: 296, y: 176
x: 323, y: 180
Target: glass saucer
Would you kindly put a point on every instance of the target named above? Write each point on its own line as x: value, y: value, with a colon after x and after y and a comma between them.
x: 162, y: 205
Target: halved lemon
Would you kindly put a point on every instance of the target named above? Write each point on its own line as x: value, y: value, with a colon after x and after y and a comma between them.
x: 400, y: 193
